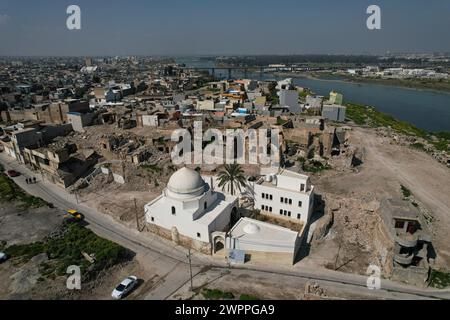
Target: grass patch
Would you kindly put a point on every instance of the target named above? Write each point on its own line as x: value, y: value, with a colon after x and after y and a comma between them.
x: 25, y: 252
x: 313, y: 166
x: 418, y: 146
x: 217, y: 294
x: 406, y: 192
x: 439, y: 279
x: 364, y: 115
x: 9, y: 191
x: 281, y: 122
x: 67, y: 250
x: 429, y: 84
x: 152, y: 167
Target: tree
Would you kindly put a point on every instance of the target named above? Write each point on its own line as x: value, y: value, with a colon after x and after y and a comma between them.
x: 232, y: 178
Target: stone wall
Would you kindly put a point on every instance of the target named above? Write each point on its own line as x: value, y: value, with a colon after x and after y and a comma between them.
x: 202, y: 247
x: 384, y: 246
x: 415, y: 276
x: 271, y: 257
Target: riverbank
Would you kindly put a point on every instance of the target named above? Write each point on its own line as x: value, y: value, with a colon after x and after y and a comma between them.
x: 436, y: 144
x: 433, y: 85
x: 419, y: 84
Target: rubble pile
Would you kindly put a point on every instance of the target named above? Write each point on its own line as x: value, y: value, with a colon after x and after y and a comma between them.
x: 313, y: 290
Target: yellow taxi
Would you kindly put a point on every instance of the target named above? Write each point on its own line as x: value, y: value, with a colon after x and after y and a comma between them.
x: 74, y: 214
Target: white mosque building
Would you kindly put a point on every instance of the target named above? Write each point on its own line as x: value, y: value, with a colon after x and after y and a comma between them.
x: 189, y: 211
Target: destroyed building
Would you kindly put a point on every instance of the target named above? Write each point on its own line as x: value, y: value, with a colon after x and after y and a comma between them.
x: 411, y: 240
x: 60, y: 163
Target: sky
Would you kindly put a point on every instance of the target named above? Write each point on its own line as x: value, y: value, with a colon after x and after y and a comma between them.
x: 230, y: 27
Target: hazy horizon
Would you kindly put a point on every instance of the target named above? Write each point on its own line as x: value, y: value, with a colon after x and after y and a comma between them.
x: 210, y: 28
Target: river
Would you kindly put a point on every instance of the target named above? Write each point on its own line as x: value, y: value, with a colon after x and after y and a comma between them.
x: 429, y: 110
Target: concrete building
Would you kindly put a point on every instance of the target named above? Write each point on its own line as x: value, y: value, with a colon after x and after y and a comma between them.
x: 205, y: 105
x: 21, y: 139
x: 411, y: 241
x: 55, y: 112
x: 189, y: 211
x: 289, y: 98
x: 336, y: 98
x: 80, y: 120
x: 61, y: 164
x: 314, y: 102
x: 150, y: 120
x: 286, y: 195
x: 261, y: 241
x: 334, y: 112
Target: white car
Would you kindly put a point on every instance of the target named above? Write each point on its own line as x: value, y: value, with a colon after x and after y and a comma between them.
x: 3, y: 257
x: 125, y: 287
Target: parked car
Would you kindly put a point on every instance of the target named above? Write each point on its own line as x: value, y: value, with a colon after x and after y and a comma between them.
x: 3, y: 257
x: 13, y: 173
x: 75, y: 215
x: 125, y: 287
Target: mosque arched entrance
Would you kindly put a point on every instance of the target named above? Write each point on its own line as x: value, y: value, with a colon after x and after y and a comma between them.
x: 219, y: 245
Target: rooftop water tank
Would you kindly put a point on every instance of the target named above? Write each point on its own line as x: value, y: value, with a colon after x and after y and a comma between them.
x: 274, y: 179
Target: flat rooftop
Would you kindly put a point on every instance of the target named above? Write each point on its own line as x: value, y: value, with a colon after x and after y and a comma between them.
x: 400, y: 209
x: 264, y: 232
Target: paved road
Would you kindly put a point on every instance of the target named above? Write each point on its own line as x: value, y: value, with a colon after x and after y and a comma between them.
x: 171, y: 263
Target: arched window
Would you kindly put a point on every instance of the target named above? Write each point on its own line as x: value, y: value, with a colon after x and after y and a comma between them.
x: 174, y: 211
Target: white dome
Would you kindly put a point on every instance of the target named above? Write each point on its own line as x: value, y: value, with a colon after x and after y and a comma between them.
x: 186, y: 182
x: 251, y: 228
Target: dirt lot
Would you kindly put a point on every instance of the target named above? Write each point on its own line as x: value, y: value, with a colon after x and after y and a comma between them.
x: 20, y: 226
x: 355, y: 195
x: 253, y: 285
x: 25, y: 280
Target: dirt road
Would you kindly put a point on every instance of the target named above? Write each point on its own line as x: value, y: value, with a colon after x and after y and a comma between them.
x: 428, y: 180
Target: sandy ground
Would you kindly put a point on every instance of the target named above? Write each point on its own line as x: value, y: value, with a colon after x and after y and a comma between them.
x: 20, y: 226
x: 386, y: 167
x: 282, y: 287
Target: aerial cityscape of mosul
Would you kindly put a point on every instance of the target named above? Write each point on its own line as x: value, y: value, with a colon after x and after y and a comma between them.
x: 301, y: 158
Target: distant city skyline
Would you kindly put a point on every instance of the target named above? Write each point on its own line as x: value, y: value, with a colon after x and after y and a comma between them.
x: 208, y: 27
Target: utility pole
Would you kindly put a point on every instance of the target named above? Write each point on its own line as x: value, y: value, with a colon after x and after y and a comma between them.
x: 337, y: 256
x: 136, y: 212
x: 190, y: 268
x: 76, y: 196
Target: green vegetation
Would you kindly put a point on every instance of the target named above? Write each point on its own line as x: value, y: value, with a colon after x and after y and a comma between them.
x: 232, y: 178
x: 418, y: 146
x: 2, y: 245
x: 273, y: 95
x: 365, y: 115
x: 67, y: 250
x: 281, y: 122
x: 439, y: 279
x: 217, y: 294
x: 406, y: 192
x: 151, y: 167
x: 9, y: 192
x: 429, y: 84
x: 312, y: 166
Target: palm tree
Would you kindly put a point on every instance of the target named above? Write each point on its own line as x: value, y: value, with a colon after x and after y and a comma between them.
x: 232, y: 178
